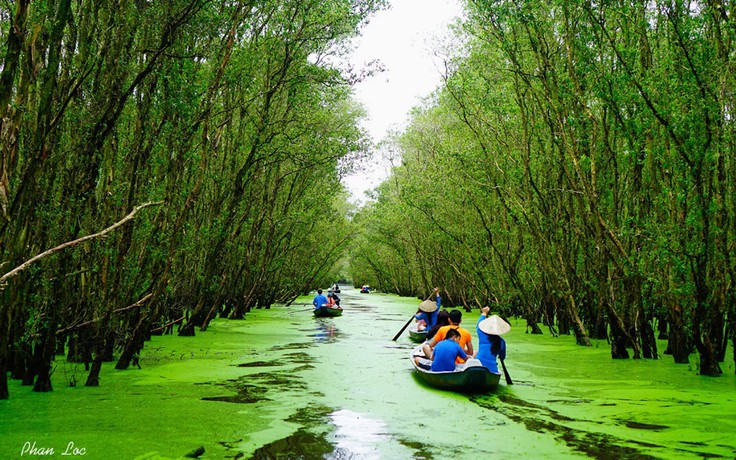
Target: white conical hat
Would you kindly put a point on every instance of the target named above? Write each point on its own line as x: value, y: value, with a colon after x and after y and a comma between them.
x: 428, y: 306
x: 494, y: 325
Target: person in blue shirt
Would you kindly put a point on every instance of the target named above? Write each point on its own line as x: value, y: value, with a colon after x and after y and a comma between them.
x: 446, y: 351
x: 490, y: 344
x: 319, y: 299
x: 426, y: 315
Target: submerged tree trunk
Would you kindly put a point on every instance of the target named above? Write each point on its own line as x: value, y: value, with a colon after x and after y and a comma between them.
x: 134, y: 344
x: 648, y: 342
x: 43, y: 362
x: 93, y: 379
x: 619, y: 341
x: 678, y: 342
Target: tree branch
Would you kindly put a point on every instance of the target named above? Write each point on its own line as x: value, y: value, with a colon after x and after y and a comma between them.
x: 69, y: 244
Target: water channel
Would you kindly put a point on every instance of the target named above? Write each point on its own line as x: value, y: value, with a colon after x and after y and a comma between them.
x: 283, y: 384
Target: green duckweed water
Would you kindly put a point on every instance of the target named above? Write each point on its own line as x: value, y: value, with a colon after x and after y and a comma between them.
x: 282, y: 384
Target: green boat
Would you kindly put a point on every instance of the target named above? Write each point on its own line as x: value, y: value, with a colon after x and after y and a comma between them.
x: 472, y: 378
x: 327, y: 312
x: 417, y: 336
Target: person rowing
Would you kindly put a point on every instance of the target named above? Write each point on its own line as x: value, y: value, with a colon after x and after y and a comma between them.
x: 490, y: 344
x: 426, y: 315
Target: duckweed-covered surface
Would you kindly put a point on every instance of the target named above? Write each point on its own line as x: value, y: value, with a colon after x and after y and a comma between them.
x: 283, y: 384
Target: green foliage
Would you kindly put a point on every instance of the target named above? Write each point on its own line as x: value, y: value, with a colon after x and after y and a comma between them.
x: 215, y: 109
x: 574, y: 168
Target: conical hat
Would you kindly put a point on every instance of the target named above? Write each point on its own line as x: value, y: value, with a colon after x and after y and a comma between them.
x: 494, y: 325
x: 428, y: 306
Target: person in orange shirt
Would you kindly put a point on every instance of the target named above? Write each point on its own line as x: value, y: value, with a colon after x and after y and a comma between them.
x: 466, y: 340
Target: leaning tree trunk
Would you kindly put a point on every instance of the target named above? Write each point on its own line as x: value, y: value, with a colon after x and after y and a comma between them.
x: 134, y: 344
x: 93, y: 379
x: 196, y: 319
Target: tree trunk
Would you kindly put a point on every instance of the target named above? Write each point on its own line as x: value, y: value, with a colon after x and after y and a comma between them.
x: 195, y: 320
x: 108, y: 353
x: 18, y: 363
x: 708, y: 359
x: 662, y: 328
x: 93, y: 379
x: 43, y: 363
x: 4, y: 393
x: 677, y: 345
x: 648, y: 343
x: 133, y: 346
x: 619, y: 340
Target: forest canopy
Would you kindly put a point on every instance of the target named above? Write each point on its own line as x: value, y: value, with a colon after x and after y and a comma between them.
x: 216, y: 127
x: 576, y: 168
x: 164, y: 163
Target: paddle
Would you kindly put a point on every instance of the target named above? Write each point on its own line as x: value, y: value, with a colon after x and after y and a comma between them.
x: 410, y: 320
x: 404, y: 328
x: 506, y: 374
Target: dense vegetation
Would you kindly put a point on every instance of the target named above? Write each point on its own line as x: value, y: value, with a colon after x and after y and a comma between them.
x: 576, y: 168
x: 166, y: 162
x: 217, y: 127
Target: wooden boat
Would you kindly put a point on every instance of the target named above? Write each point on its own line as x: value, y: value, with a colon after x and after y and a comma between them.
x: 417, y: 336
x: 327, y: 312
x: 473, y: 378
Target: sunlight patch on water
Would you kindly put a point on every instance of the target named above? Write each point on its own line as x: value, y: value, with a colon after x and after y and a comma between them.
x: 358, y: 436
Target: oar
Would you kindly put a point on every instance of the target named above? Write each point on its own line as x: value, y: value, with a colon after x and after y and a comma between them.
x: 506, y: 374
x: 403, y: 328
x: 409, y: 322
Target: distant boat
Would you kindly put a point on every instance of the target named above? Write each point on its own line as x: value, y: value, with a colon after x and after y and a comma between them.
x: 365, y: 289
x: 470, y: 379
x: 417, y: 336
x: 325, y: 311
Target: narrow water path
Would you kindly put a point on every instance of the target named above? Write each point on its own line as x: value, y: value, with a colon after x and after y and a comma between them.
x: 282, y: 384
x: 365, y: 402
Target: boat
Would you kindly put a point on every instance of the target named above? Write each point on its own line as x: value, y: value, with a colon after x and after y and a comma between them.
x: 467, y: 378
x: 417, y: 336
x: 327, y: 312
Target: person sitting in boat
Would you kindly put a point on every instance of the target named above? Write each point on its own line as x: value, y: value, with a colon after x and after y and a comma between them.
x: 335, y: 288
x: 447, y: 352
x: 332, y: 300
x: 443, y: 319
x: 490, y: 344
x: 336, y: 298
x: 319, y: 300
x: 466, y: 340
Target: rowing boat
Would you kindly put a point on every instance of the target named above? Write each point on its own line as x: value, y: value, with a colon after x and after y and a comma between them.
x: 467, y: 378
x: 417, y: 336
x: 325, y: 311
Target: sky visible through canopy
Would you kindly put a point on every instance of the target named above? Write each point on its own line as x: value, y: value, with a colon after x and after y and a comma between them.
x: 408, y: 39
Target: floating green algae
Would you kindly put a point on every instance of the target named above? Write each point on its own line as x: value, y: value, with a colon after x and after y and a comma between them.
x: 283, y: 384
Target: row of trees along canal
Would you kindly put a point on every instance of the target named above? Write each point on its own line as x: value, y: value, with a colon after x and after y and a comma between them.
x: 576, y: 168
x: 216, y: 127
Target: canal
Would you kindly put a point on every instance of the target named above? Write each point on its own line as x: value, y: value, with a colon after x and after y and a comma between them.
x: 283, y: 384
